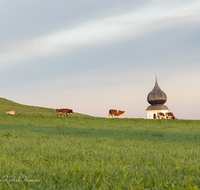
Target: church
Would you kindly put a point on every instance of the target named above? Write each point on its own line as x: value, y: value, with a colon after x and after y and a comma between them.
x: 156, y: 98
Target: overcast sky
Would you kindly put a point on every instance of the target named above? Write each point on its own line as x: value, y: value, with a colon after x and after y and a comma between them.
x: 94, y: 55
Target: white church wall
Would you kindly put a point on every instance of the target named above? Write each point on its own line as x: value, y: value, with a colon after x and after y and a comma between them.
x: 150, y: 114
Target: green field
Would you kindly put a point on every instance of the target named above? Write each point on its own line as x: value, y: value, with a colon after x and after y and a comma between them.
x: 83, y: 152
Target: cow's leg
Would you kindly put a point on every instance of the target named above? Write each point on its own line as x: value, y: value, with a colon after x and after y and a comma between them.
x: 109, y: 115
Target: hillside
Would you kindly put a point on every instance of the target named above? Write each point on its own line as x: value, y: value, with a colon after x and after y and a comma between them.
x: 29, y: 110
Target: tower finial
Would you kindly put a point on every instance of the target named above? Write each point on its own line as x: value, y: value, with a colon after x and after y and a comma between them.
x: 156, y: 78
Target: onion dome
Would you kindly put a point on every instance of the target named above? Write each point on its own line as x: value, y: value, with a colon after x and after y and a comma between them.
x: 157, y: 96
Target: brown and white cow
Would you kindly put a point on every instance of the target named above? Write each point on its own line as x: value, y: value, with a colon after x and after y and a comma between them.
x: 63, y: 111
x: 160, y: 115
x: 118, y: 113
x: 170, y: 115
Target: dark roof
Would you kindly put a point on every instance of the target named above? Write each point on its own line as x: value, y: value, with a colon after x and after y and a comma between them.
x: 157, y: 107
x: 156, y: 96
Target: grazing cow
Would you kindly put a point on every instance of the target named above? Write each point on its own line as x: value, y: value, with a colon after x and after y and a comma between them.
x: 116, y: 113
x: 160, y: 115
x: 170, y: 115
x: 63, y: 111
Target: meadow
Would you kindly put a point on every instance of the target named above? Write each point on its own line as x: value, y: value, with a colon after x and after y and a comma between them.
x: 82, y: 152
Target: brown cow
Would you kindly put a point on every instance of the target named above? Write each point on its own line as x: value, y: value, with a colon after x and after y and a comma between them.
x: 63, y: 111
x: 116, y: 113
x: 170, y: 115
x: 160, y: 115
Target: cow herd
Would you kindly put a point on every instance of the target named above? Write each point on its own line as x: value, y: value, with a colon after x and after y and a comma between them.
x: 112, y: 113
x: 65, y: 112
x: 168, y: 115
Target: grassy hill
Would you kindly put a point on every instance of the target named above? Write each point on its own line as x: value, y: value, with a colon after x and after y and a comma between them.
x: 29, y: 110
x: 95, y: 153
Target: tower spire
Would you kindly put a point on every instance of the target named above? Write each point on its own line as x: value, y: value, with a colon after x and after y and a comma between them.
x: 156, y: 78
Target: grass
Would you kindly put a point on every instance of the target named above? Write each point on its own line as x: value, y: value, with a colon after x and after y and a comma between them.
x: 98, y: 153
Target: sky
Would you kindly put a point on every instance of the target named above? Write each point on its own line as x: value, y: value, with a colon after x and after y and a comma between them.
x: 96, y: 55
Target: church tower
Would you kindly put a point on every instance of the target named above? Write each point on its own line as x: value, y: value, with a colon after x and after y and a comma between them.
x: 156, y: 98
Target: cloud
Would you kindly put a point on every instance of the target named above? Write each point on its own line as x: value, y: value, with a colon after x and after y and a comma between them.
x: 93, y: 33
x: 176, y: 46
x: 31, y: 19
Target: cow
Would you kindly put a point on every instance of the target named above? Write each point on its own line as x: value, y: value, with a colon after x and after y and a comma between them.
x: 170, y: 115
x: 118, y: 113
x: 63, y: 111
x: 160, y: 115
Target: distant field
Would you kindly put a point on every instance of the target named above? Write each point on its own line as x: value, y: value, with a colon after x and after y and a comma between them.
x: 97, y: 153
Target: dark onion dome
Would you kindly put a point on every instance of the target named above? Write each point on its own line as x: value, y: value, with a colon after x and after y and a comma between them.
x: 156, y: 96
